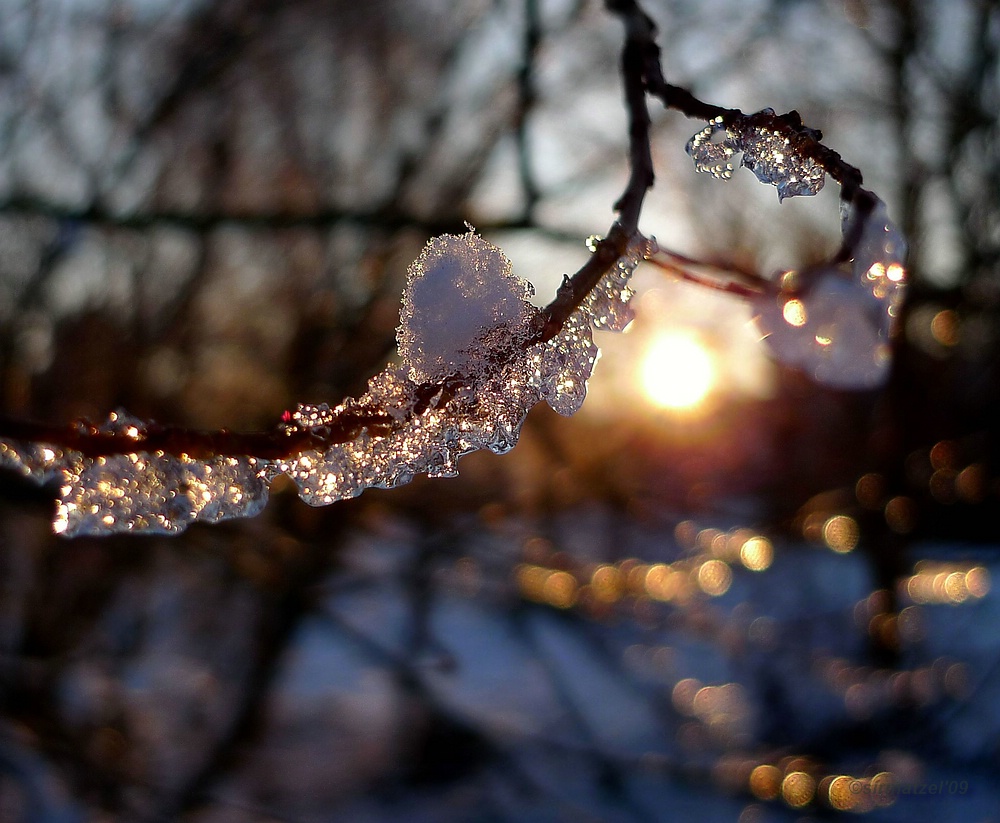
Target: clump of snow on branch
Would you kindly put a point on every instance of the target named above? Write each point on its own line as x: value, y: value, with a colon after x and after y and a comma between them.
x: 465, y: 315
x: 461, y: 301
x: 502, y: 379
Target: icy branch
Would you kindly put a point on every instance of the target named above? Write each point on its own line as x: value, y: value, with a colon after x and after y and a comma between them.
x: 475, y: 358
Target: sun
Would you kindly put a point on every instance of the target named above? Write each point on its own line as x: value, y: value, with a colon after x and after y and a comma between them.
x: 678, y: 371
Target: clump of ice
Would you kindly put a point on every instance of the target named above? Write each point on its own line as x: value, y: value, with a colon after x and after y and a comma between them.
x: 712, y: 149
x: 156, y: 492
x: 880, y: 246
x: 140, y: 491
x: 767, y: 152
x: 835, y: 323
x: 838, y: 326
x: 769, y: 155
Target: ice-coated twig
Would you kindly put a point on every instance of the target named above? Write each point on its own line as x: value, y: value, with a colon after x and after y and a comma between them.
x: 476, y: 357
x: 835, y: 321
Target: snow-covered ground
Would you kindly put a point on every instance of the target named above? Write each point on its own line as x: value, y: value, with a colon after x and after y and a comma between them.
x: 425, y: 682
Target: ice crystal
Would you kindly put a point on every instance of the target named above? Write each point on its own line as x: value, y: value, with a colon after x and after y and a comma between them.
x: 464, y: 314
x: 767, y: 152
x: 837, y: 323
x: 712, y: 150
x: 37, y: 461
x: 121, y: 422
x: 770, y: 156
x: 140, y: 491
x: 315, y: 419
x: 155, y: 492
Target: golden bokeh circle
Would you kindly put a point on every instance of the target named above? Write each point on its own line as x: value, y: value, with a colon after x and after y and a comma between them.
x: 765, y: 781
x: 714, y: 577
x: 757, y: 553
x: 840, y: 793
x: 797, y: 789
x: 841, y: 533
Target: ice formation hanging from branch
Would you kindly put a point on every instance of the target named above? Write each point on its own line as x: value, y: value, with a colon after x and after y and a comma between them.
x: 475, y: 359
x: 475, y: 356
x: 836, y: 321
x: 767, y: 151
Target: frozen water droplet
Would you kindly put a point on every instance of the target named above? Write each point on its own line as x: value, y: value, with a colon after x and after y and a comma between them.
x: 879, y: 260
x: 836, y: 331
x: 712, y: 150
x: 122, y: 422
x: 316, y: 419
x: 461, y: 299
x: 840, y: 325
x: 37, y: 461
x: 442, y: 464
x: 879, y: 242
x: 609, y: 302
x: 771, y: 157
x: 568, y: 359
x: 766, y: 152
x: 566, y: 366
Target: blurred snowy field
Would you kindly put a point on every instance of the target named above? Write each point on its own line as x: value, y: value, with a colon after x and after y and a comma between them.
x: 421, y: 684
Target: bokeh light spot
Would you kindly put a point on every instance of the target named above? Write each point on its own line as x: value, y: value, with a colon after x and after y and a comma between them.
x: 560, y: 589
x: 970, y: 484
x: 797, y: 789
x: 662, y: 582
x: 765, y: 781
x: 606, y: 583
x: 684, y: 694
x: 945, y: 327
x: 839, y: 793
x: 977, y: 581
x: 901, y: 514
x: 714, y: 577
x: 943, y: 454
x: 870, y: 490
x: 794, y: 312
x: 882, y: 789
x: 840, y: 533
x: 756, y: 554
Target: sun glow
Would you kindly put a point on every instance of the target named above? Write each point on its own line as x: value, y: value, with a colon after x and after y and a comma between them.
x: 677, y: 372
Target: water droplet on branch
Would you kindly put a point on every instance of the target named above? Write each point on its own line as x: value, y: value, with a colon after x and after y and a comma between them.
x: 712, y: 150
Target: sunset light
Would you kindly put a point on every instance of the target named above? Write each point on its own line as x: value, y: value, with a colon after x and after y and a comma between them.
x: 677, y: 372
